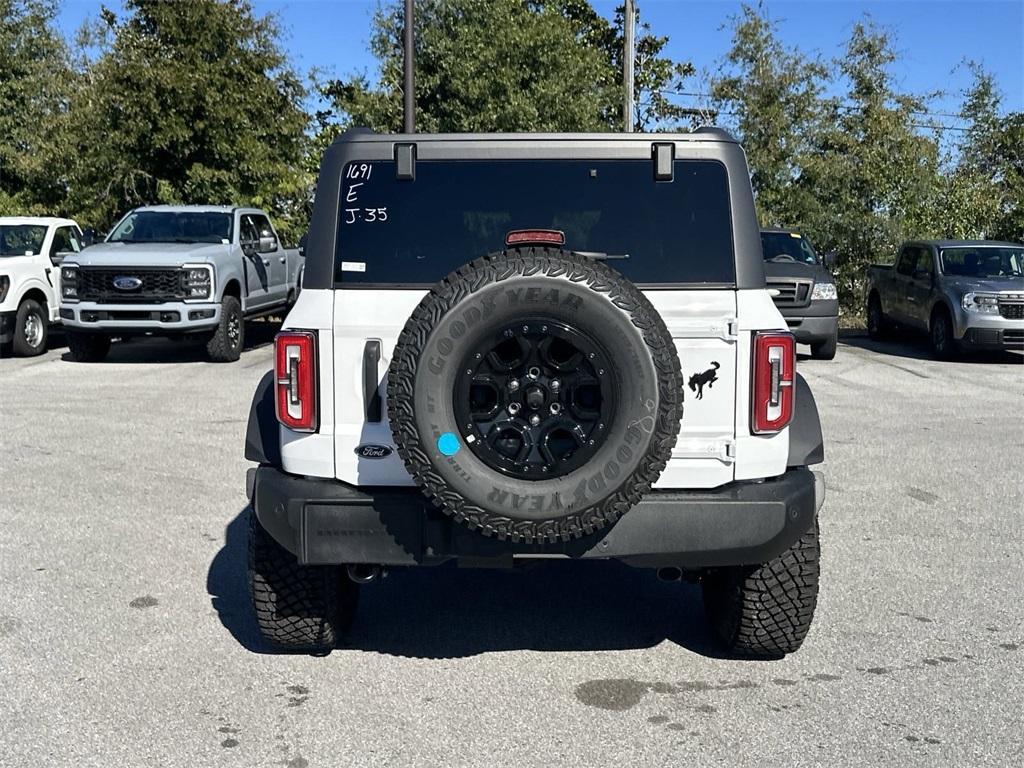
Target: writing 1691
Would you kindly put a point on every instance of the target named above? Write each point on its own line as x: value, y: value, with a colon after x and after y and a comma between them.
x: 365, y: 214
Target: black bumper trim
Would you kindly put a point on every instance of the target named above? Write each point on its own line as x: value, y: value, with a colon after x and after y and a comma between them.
x: 324, y: 521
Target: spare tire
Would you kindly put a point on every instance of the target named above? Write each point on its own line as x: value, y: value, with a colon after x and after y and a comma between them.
x: 535, y: 394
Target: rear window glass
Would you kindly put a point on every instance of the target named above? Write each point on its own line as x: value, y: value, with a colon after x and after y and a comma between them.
x: 416, y: 232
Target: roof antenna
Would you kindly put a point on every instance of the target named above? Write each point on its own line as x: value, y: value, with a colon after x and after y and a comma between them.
x: 409, y: 105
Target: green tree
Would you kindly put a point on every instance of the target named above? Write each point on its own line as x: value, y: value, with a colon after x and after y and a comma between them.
x: 772, y: 98
x: 36, y: 83
x: 506, y: 65
x: 191, y: 103
x: 984, y: 193
x: 875, y: 174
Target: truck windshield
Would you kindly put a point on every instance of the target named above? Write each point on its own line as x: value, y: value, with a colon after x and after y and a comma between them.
x: 983, y: 261
x: 173, y: 227
x: 787, y: 246
x: 21, y: 239
x: 414, y: 232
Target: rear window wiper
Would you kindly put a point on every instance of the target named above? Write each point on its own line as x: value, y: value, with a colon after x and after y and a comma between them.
x: 602, y: 256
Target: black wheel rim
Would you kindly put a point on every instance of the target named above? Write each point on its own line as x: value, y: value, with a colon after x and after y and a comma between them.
x: 234, y: 330
x: 535, y: 400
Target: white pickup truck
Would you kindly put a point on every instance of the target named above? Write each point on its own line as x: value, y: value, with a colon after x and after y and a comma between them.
x: 31, y: 251
x: 176, y: 270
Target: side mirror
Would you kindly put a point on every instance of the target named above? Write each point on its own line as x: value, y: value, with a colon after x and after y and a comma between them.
x: 302, y: 244
x: 88, y: 237
x: 267, y: 244
x: 829, y: 259
x: 57, y: 258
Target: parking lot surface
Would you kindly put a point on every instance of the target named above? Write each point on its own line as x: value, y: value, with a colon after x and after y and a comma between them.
x: 126, y: 637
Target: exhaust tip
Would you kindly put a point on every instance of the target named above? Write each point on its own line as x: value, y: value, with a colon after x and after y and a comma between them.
x: 670, y: 573
x: 363, y: 573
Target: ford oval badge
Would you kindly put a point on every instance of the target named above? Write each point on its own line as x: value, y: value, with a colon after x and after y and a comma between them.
x: 370, y: 451
x: 125, y: 283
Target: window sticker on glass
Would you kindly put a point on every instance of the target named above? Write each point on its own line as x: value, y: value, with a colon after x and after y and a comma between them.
x: 353, y: 266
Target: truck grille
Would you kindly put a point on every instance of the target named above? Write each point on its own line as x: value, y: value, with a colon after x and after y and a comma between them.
x: 1011, y: 311
x: 158, y: 285
x: 792, y: 293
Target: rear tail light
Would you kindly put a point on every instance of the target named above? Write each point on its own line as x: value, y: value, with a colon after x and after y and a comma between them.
x: 295, y: 377
x: 774, y: 373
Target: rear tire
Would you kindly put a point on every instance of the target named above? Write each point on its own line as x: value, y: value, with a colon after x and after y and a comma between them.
x: 878, y: 327
x: 298, y: 607
x: 764, y: 611
x: 825, y: 350
x: 87, y: 347
x: 31, y: 326
x: 225, y: 346
x: 943, y: 343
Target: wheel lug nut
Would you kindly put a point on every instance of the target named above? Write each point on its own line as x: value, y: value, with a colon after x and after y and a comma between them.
x: 534, y: 420
x: 534, y: 372
x: 556, y: 408
x: 555, y: 385
x: 513, y: 408
x: 513, y: 385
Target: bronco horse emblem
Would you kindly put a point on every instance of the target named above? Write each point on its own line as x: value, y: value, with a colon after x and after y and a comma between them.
x: 709, y: 377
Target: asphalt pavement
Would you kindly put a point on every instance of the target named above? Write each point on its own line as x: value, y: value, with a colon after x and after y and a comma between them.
x: 126, y: 637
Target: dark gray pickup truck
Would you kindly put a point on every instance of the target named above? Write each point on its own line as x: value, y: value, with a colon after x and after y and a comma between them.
x: 968, y: 294
x: 804, y: 290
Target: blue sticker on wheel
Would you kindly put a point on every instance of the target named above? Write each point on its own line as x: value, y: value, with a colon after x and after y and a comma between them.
x: 448, y: 444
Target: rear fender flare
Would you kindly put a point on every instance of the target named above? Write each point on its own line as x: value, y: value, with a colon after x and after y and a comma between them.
x: 806, y: 445
x: 263, y: 434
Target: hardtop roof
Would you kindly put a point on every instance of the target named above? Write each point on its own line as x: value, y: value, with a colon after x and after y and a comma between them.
x: 367, y: 136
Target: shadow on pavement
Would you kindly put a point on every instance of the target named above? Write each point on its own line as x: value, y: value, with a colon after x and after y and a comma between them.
x: 445, y: 612
x: 913, y: 346
x: 184, y: 349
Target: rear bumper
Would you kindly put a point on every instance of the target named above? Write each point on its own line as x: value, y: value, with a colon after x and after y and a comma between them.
x: 7, y: 327
x: 329, y: 522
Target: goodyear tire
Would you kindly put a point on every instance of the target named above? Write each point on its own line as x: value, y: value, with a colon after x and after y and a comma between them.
x: 535, y: 395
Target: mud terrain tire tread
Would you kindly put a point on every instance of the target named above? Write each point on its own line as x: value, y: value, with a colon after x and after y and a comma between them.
x: 495, y: 268
x: 220, y: 348
x: 765, y: 611
x: 298, y: 607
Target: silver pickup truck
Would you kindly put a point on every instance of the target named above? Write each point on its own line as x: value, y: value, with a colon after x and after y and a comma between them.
x: 967, y: 294
x: 175, y: 270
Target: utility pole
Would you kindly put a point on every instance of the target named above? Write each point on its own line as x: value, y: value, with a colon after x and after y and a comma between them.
x: 408, y: 85
x: 628, y: 55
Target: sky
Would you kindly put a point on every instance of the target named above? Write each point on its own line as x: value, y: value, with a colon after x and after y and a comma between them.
x: 932, y: 37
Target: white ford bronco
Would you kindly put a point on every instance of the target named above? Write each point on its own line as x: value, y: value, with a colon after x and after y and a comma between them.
x: 31, y: 252
x: 176, y: 271
x: 512, y: 347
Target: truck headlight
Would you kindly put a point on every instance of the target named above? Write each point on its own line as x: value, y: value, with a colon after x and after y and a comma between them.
x: 5, y: 285
x: 198, y: 281
x: 979, y: 302
x: 824, y: 292
x: 69, y: 283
